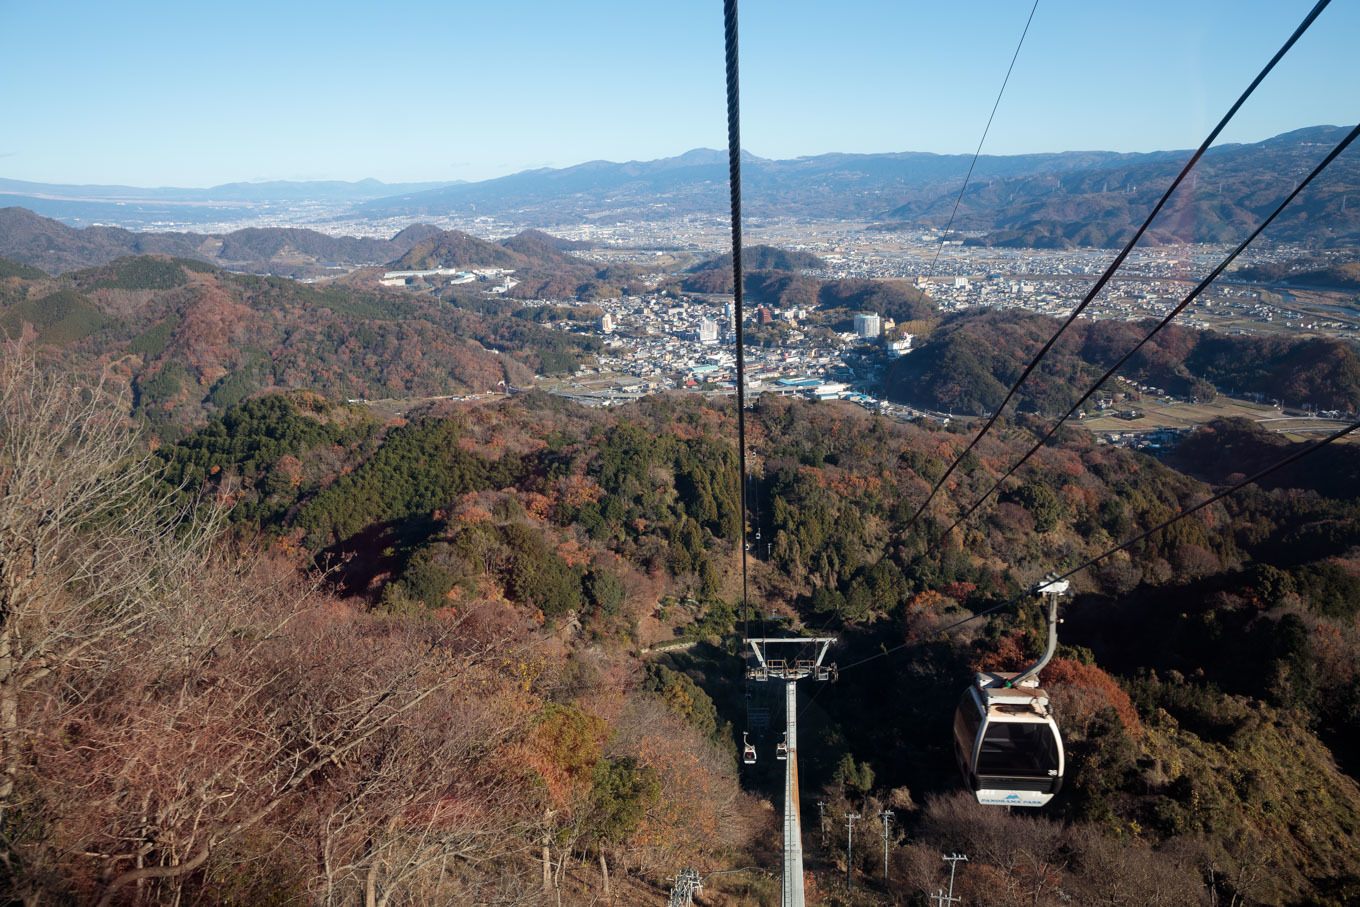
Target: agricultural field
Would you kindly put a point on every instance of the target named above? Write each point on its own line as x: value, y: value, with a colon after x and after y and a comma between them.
x: 1171, y: 414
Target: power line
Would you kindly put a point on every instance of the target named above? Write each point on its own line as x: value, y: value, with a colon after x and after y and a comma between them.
x: 987, y: 129
x: 968, y: 176
x: 1335, y: 436
x: 804, y: 709
x: 1203, y: 285
x: 1124, y: 253
x: 888, y: 373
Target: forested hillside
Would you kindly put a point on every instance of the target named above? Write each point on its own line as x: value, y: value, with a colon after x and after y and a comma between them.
x: 784, y: 288
x: 539, y: 550
x: 57, y: 248
x: 194, y: 340
x: 970, y: 360
x: 532, y: 551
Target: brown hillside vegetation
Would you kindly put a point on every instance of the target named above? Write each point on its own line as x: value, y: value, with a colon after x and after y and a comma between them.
x: 56, y: 248
x: 466, y: 688
x: 194, y: 340
x: 456, y: 249
x: 195, y: 719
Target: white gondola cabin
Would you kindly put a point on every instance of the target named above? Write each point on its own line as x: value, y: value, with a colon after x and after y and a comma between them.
x: 1005, y: 737
x: 1007, y: 742
x: 748, y: 751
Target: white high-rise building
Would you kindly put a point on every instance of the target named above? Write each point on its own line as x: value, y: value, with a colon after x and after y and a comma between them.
x: 607, y: 323
x: 708, y: 331
x: 867, y: 325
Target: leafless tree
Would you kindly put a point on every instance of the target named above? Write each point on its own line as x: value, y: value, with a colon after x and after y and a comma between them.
x: 1015, y: 860
x: 1129, y: 873
x: 165, y: 703
x: 91, y: 545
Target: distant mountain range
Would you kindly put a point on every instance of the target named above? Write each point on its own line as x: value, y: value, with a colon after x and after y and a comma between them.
x: 1045, y: 200
x: 265, y: 191
x: 56, y: 248
x: 1092, y: 198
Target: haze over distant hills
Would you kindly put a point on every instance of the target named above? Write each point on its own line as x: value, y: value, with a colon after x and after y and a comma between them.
x: 1040, y: 200
x: 138, y: 207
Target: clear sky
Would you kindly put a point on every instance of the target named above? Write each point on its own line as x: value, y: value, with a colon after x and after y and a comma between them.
x: 193, y: 94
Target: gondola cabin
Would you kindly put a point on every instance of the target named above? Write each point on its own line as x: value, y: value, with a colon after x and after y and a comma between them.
x: 1007, y: 742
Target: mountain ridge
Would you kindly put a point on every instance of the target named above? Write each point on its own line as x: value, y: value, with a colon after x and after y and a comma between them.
x: 1053, y: 199
x: 1041, y: 200
x: 31, y: 239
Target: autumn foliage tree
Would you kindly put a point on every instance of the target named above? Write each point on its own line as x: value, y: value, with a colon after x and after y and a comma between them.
x: 172, y: 706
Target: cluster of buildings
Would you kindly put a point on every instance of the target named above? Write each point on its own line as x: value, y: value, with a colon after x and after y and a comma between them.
x: 451, y: 277
x: 655, y: 343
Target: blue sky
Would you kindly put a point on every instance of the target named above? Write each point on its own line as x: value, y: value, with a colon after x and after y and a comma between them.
x: 193, y: 94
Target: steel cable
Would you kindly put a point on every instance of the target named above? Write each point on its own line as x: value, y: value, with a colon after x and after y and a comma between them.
x: 1124, y: 253
x: 985, y: 130
x: 1297, y: 455
x: 1204, y: 284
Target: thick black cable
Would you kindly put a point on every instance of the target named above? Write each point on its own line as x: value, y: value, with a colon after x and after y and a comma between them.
x: 734, y: 180
x: 1124, y: 253
x: 1297, y: 455
x: 987, y: 129
x: 1201, y: 287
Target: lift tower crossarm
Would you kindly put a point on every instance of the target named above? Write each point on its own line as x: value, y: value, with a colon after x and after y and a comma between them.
x: 782, y: 668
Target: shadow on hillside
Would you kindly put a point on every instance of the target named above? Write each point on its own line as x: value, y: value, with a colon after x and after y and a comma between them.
x: 360, y: 564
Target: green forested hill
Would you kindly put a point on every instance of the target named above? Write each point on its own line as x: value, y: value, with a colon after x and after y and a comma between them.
x: 763, y: 258
x: 456, y: 249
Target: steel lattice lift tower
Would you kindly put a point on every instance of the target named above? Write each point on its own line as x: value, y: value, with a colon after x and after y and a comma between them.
x: 791, y: 672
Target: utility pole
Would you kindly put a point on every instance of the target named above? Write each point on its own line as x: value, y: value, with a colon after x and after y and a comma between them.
x: 791, y: 671
x: 953, y: 860
x: 887, y: 816
x: 821, y: 810
x: 850, y: 849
